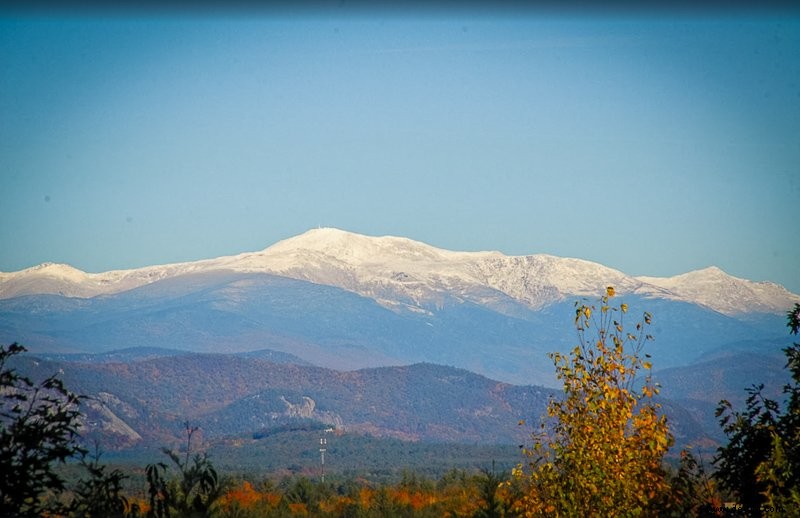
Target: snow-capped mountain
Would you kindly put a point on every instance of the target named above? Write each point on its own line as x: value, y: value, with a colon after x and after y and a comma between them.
x: 343, y: 300
x: 63, y: 279
x: 725, y: 293
x: 400, y: 274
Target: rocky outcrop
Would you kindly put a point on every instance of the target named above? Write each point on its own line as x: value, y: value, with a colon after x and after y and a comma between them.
x: 99, y: 418
x: 308, y: 410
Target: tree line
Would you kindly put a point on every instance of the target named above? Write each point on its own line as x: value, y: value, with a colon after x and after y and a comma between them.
x: 599, y: 451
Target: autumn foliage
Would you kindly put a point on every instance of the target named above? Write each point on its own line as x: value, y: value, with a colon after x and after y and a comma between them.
x: 456, y: 494
x: 600, y: 450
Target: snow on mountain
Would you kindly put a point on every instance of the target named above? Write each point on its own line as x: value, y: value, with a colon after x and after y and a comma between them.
x: 398, y: 271
x: 401, y: 273
x: 47, y: 278
x: 725, y: 293
x: 63, y: 279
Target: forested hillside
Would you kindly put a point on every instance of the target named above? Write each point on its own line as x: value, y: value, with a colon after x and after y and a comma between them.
x: 233, y: 395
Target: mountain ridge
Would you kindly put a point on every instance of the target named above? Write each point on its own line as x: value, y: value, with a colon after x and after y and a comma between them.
x: 719, y: 290
x: 406, y: 275
x: 228, y: 395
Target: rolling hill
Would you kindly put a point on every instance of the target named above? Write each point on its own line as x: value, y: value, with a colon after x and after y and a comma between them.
x: 228, y: 395
x: 143, y: 403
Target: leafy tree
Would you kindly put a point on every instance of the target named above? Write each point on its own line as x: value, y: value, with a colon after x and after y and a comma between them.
x: 601, y: 450
x: 38, y: 429
x: 101, y: 494
x: 694, y: 492
x: 303, y: 491
x: 749, y: 444
x: 761, y: 462
x: 191, y: 495
x: 383, y: 504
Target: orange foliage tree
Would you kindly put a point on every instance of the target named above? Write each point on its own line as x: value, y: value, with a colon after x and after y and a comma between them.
x: 600, y: 451
x: 243, y: 496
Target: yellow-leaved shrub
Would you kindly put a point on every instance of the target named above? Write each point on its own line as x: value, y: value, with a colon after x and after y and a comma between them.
x: 599, y: 452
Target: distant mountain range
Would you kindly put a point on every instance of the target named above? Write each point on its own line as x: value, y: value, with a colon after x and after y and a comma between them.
x: 230, y: 395
x: 377, y: 335
x: 144, y: 400
x: 399, y: 273
x: 342, y: 300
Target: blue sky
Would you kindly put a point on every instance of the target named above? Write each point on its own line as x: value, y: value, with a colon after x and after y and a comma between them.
x: 652, y: 144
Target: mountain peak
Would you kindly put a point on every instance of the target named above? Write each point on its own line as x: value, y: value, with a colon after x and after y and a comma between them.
x: 709, y: 271
x: 357, y: 249
x: 323, y: 238
x: 61, y: 270
x: 325, y: 234
x: 707, y: 274
x: 720, y: 291
x: 55, y: 278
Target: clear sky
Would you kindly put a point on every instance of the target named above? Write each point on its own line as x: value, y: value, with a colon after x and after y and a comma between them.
x: 654, y: 144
